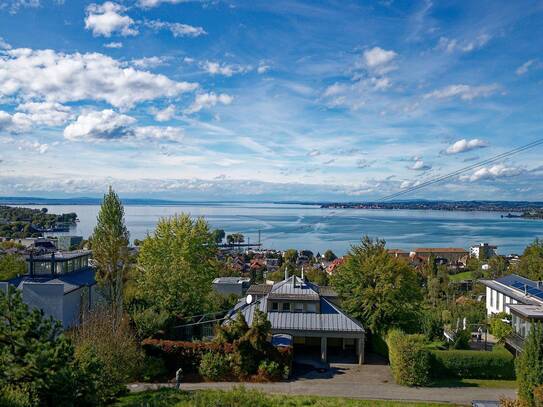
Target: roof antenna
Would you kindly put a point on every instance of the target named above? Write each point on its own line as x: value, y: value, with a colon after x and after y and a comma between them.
x: 303, y: 273
x: 286, y: 272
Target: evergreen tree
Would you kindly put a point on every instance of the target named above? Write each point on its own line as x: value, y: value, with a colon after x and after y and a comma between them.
x: 110, y: 251
x: 529, y: 365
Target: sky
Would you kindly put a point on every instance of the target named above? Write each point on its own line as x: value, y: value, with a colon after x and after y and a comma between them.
x: 270, y: 100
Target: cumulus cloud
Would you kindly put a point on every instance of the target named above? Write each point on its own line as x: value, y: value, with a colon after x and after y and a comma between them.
x: 521, y: 70
x: 155, y: 3
x: 177, y: 29
x: 494, y: 172
x: 110, y: 125
x: 262, y: 68
x: 379, y: 60
x: 450, y: 45
x: 419, y: 165
x: 4, y: 44
x: 163, y: 115
x: 113, y: 45
x: 463, y: 146
x: 464, y: 92
x: 148, y: 62
x: 206, y: 100
x: 57, y: 77
x: 215, y: 68
x: 107, y: 19
x: 33, y: 113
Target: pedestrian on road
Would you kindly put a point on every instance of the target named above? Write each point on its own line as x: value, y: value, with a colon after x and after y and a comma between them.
x: 178, y: 377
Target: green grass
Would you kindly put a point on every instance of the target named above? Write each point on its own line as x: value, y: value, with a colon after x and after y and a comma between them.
x: 491, y: 384
x: 466, y: 275
x: 241, y: 397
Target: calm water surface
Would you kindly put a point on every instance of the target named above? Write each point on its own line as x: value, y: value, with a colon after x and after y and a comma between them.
x: 285, y: 226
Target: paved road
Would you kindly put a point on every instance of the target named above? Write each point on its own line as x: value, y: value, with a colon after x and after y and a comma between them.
x: 362, y: 382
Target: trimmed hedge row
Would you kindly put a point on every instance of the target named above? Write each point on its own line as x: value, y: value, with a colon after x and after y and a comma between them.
x: 409, y: 359
x: 470, y: 364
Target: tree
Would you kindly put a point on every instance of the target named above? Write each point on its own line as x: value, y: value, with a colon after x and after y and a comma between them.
x: 11, y: 265
x: 531, y: 261
x: 218, y: 235
x: 378, y: 289
x: 38, y: 361
x: 319, y: 277
x: 177, y: 265
x: 110, y: 241
x: 498, y: 266
x: 329, y: 255
x: 499, y: 328
x: 529, y: 364
x: 290, y: 256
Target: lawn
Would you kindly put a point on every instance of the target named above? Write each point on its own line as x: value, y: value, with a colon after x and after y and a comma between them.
x: 466, y: 275
x: 241, y: 397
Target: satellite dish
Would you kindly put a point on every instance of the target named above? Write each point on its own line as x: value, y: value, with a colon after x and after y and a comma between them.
x: 249, y: 299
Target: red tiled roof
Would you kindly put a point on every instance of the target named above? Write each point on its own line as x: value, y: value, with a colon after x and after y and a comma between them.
x: 440, y: 250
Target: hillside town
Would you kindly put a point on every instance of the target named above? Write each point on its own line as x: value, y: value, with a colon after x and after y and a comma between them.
x: 198, y: 303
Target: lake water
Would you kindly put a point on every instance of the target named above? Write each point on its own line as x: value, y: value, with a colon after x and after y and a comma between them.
x: 284, y: 226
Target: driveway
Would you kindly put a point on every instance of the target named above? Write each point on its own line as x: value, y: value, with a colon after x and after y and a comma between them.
x: 369, y: 381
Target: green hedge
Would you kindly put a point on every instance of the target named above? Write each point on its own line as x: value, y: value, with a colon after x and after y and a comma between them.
x: 471, y: 364
x: 409, y: 359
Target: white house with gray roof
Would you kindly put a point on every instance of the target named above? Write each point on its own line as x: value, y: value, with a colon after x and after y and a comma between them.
x: 307, y: 314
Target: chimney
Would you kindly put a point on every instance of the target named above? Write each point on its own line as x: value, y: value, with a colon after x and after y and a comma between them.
x: 303, y: 279
x: 286, y: 272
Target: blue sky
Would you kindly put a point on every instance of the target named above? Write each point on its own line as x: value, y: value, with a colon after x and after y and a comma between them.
x: 281, y: 100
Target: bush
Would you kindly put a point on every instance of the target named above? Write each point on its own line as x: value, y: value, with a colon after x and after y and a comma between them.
x: 431, y: 325
x: 461, y: 340
x: 409, y: 359
x: 153, y: 370
x: 499, y: 328
x: 17, y: 396
x: 270, y: 370
x: 378, y: 345
x: 214, y: 367
x: 148, y: 321
x: 472, y: 364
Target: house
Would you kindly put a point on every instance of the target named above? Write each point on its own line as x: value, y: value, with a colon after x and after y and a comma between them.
x: 231, y: 285
x: 483, y: 251
x: 518, y: 296
x: 331, y: 268
x: 398, y: 253
x: 450, y: 256
x: 305, y: 315
x: 61, y: 284
x: 68, y: 242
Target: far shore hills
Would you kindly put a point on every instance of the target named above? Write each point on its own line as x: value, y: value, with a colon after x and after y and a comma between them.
x: 512, y: 209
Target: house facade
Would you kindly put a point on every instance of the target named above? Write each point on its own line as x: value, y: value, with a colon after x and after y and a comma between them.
x: 519, y: 297
x: 62, y: 285
x: 305, y: 315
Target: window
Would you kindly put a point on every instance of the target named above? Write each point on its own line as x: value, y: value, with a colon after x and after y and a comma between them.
x: 286, y: 306
x: 298, y: 307
x: 275, y: 306
x: 311, y: 307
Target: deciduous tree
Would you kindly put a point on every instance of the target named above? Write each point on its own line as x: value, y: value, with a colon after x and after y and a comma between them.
x: 529, y: 364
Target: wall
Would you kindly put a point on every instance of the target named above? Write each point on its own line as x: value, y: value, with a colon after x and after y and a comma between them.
x: 71, y: 309
x: 45, y: 296
x: 497, y: 302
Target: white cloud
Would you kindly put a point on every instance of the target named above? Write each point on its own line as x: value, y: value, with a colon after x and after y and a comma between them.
x: 33, y: 145
x: 15, y: 5
x: 4, y: 44
x: 494, y: 172
x: 419, y: 165
x: 215, y: 68
x: 314, y: 153
x: 450, y: 45
x: 262, y: 68
x: 32, y: 113
x: 177, y: 29
x: 100, y: 125
x: 57, y: 77
x: 464, y: 92
x: 113, y: 45
x: 149, y: 62
x: 107, y: 19
x: 110, y: 125
x: 462, y: 146
x: 379, y: 60
x: 206, y: 100
x: 155, y: 3
x: 521, y: 70
x: 165, y: 114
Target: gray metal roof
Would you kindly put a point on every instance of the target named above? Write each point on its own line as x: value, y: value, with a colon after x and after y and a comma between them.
x: 231, y: 280
x: 259, y: 289
x: 330, y: 319
x: 510, y: 292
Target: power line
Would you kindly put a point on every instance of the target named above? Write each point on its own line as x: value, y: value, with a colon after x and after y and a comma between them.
x: 463, y: 170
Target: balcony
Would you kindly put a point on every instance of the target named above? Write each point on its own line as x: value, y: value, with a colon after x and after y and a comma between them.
x: 515, y: 341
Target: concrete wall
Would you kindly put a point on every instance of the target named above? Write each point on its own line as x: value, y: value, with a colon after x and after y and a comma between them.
x: 497, y: 302
x: 72, y: 308
x: 45, y: 296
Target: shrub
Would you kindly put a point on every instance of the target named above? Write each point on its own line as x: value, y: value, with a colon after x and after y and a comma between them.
x: 538, y: 396
x: 529, y: 365
x: 214, y: 367
x: 270, y: 370
x: 472, y: 364
x: 499, y: 328
x: 17, y: 396
x: 409, y: 359
x: 153, y: 370
x: 461, y: 340
x: 378, y: 345
x: 148, y: 321
x: 431, y: 325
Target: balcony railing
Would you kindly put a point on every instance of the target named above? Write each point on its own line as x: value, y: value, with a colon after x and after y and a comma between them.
x: 516, y: 341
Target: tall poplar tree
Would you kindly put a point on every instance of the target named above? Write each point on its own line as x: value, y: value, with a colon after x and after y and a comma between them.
x: 529, y: 364
x: 110, y: 251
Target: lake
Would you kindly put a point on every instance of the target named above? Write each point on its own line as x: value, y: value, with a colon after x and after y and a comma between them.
x: 284, y: 226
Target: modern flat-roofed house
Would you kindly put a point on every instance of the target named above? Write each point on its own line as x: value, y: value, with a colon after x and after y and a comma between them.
x: 483, y: 251
x: 307, y: 315
x: 518, y: 296
x: 231, y: 285
x: 63, y: 285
